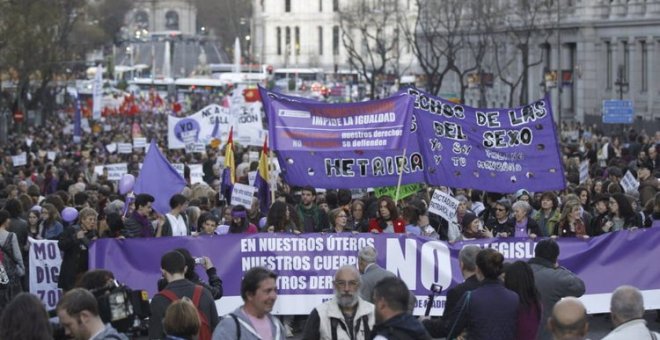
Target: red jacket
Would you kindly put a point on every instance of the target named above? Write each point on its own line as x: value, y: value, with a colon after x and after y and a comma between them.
x: 399, y: 225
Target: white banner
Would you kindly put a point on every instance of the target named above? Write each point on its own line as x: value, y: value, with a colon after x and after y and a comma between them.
x: 249, y: 129
x: 45, y: 262
x: 584, y: 171
x: 629, y: 183
x: 242, y: 194
x: 20, y: 159
x: 125, y: 147
x: 199, y: 127
x: 443, y: 205
x: 116, y: 171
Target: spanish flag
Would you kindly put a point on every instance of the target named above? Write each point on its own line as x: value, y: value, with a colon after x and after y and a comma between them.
x: 262, y: 180
x: 229, y: 174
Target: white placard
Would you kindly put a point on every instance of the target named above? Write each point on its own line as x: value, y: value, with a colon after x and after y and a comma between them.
x: 98, y: 169
x: 116, y: 171
x: 178, y: 167
x: 28, y: 141
x: 51, y: 155
x: 242, y: 194
x: 253, y: 156
x: 125, y: 147
x: 84, y: 125
x: 443, y: 205
x: 45, y: 255
x: 20, y: 159
x: 139, y: 142
x: 584, y: 171
x: 629, y: 183
x: 196, y: 173
x: 112, y: 147
x: 195, y: 148
x: 252, y: 176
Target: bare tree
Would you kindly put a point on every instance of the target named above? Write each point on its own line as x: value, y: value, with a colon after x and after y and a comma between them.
x: 525, y: 26
x: 370, y: 34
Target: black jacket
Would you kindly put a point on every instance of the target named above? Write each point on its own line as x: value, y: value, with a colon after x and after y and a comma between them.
x: 74, y: 255
x: 403, y: 326
x: 435, y: 326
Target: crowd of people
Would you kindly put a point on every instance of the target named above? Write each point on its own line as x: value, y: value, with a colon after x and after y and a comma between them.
x: 57, y: 195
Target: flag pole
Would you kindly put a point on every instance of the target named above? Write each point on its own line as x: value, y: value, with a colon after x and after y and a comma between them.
x: 272, y: 187
x: 402, y: 166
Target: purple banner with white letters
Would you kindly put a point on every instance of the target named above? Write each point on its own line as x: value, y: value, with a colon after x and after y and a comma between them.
x: 306, y: 263
x: 499, y: 150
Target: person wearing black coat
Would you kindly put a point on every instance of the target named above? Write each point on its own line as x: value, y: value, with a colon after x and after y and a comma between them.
x: 391, y: 299
x: 74, y: 244
x: 214, y: 284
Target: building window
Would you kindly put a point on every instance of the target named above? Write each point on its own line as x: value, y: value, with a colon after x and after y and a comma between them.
x: 608, y: 49
x: 644, y: 67
x: 320, y: 29
x: 279, y: 40
x: 172, y: 20
x: 297, y: 42
x: 287, y: 40
x: 335, y: 40
x: 287, y: 6
x: 320, y: 5
x: 335, y: 5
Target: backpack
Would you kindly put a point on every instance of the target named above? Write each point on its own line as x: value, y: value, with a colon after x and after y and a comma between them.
x: 205, y: 328
x: 10, y: 281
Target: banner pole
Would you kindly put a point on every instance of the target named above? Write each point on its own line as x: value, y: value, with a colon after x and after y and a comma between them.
x: 398, y: 184
x: 273, y: 184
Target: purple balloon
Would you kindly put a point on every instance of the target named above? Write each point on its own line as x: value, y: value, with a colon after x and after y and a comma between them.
x: 69, y: 214
x: 126, y: 184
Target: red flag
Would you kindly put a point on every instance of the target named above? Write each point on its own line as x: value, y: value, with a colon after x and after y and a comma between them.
x: 251, y: 95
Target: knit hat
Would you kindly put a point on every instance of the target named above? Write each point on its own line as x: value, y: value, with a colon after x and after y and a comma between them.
x: 467, y: 220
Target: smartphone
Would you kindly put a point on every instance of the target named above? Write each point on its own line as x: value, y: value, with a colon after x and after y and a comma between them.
x: 199, y: 260
x: 436, y: 288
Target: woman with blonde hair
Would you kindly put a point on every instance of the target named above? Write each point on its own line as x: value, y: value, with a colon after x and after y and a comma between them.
x: 570, y: 223
x: 181, y: 320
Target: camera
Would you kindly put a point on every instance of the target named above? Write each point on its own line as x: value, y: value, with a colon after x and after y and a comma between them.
x: 122, y: 307
x: 199, y: 260
x: 436, y: 288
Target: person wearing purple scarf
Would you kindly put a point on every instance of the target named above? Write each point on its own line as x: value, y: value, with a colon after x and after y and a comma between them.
x: 138, y: 224
x: 524, y: 226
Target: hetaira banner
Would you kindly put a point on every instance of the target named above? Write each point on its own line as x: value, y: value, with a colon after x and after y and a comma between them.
x: 306, y: 263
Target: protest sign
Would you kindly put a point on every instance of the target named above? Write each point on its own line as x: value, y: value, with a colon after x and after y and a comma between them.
x: 242, y: 195
x: 211, y: 122
x: 20, y: 159
x: 584, y: 171
x: 116, y: 171
x: 139, y: 142
x: 404, y: 191
x: 443, y: 205
x: 629, y: 183
x: 306, y: 263
x: 124, y: 148
x: 252, y: 175
x: 45, y: 262
x: 51, y: 155
x: 196, y: 173
x: 112, y: 147
x: 247, y: 120
x: 179, y: 167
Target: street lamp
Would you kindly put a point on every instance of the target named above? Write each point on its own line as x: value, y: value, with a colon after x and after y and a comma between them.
x: 621, y: 82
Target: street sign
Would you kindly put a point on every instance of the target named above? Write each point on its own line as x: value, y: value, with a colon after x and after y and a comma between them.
x: 618, y: 111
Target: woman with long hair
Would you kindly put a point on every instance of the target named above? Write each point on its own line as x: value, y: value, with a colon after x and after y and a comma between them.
x: 338, y: 221
x: 585, y: 198
x: 519, y: 278
x: 279, y: 219
x: 388, y: 220
x: 51, y: 227
x: 622, y: 216
x: 240, y: 223
x: 571, y: 223
x: 34, y: 224
x: 358, y: 221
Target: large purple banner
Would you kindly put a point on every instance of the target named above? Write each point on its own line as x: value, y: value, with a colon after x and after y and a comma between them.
x: 346, y: 168
x: 498, y: 150
x: 306, y: 263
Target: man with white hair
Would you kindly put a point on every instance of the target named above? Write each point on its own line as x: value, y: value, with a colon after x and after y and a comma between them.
x: 371, y: 272
x: 347, y: 316
x: 627, y: 311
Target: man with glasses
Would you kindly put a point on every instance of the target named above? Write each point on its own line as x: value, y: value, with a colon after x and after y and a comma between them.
x: 501, y: 224
x: 347, y: 316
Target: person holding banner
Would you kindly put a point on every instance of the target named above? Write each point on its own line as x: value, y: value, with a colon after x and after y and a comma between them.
x: 549, y: 214
x: 207, y: 224
x: 388, y: 220
x: 524, y: 225
x: 279, y: 219
x: 313, y: 219
x: 175, y: 222
x: 472, y: 229
x: 501, y: 224
x: 570, y: 222
x: 74, y: 244
x: 621, y: 215
x: 338, y: 221
x: 138, y: 224
x: 240, y: 223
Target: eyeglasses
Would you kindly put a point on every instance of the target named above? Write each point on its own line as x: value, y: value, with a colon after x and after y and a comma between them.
x: 343, y: 284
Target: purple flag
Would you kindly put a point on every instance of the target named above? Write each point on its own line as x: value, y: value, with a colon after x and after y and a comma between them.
x: 159, y: 179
